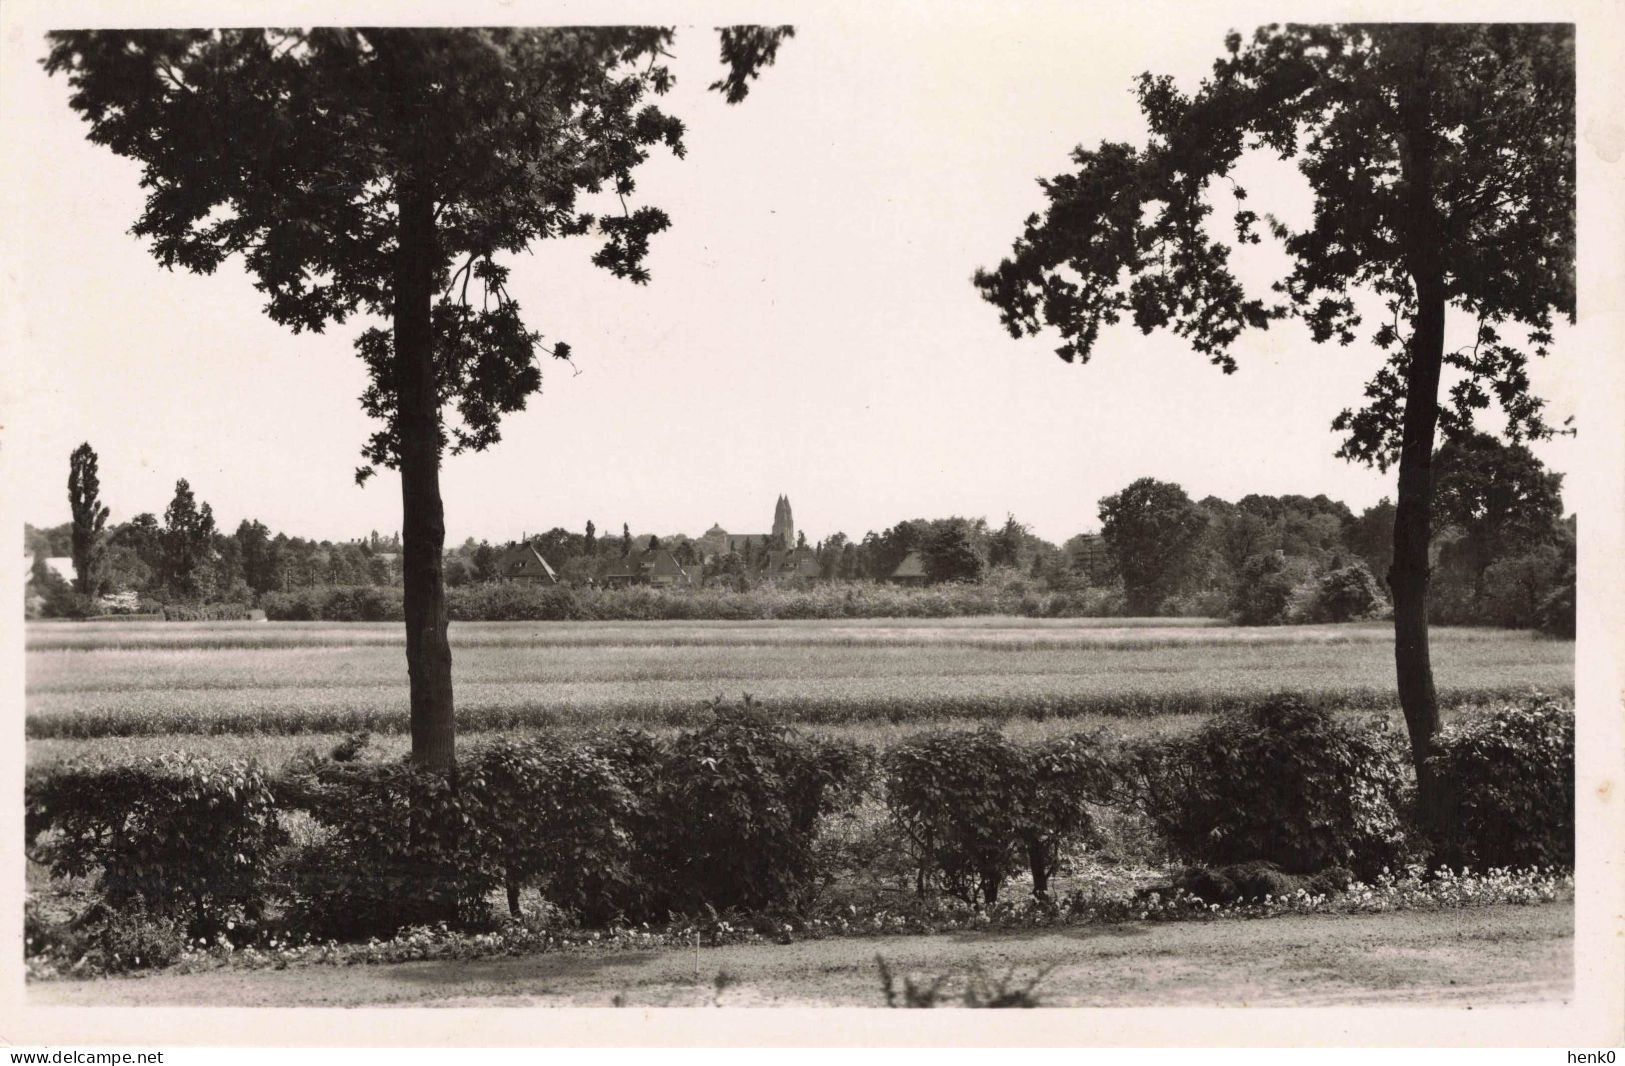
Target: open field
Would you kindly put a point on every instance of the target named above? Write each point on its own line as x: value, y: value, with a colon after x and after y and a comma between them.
x: 278, y: 688
x: 1470, y: 957
x: 116, y: 692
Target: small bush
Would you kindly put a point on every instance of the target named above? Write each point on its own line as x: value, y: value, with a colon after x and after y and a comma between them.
x: 175, y: 835
x: 1348, y: 593
x: 1282, y: 781
x: 350, y: 748
x: 1059, y: 779
x: 558, y: 815
x: 400, y: 846
x: 1252, y: 882
x: 1267, y: 590
x: 949, y: 790
x: 738, y: 804
x: 1506, y: 779
x: 103, y: 940
x: 979, y: 989
x: 977, y: 806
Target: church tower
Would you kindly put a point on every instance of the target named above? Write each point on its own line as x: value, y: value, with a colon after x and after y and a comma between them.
x: 784, y: 526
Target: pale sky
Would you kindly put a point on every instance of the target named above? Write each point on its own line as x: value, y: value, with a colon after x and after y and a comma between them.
x: 810, y: 328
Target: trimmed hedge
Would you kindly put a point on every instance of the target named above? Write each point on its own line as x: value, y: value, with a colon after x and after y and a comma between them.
x: 176, y: 835
x: 977, y: 806
x: 1284, y: 781
x: 625, y: 827
x: 1507, y: 784
x: 735, y: 811
x: 400, y: 846
x: 560, y: 817
x: 514, y: 601
x: 347, y: 603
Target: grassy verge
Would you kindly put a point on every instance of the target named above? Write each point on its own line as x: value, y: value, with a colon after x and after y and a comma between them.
x: 1469, y: 958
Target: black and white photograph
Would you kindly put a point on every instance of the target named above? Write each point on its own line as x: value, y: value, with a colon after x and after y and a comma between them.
x: 727, y: 510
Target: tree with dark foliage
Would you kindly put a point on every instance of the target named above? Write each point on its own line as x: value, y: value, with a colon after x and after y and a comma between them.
x: 950, y: 553
x: 1150, y: 528
x: 89, y: 519
x: 384, y: 172
x: 1500, y: 497
x: 1441, y: 161
x: 185, y: 544
x: 1004, y: 547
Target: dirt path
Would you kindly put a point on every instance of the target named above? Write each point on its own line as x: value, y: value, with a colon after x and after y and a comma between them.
x: 1469, y: 957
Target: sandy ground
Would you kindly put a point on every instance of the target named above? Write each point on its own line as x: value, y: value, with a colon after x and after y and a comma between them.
x: 1469, y: 957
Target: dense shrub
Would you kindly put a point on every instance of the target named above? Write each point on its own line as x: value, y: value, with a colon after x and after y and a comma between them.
x: 399, y: 846
x: 737, y: 805
x: 340, y: 603
x: 1507, y: 781
x: 976, y: 806
x: 207, y: 612
x: 1515, y: 588
x: 1348, y: 593
x: 50, y: 595
x: 1208, y: 603
x: 1255, y: 882
x: 1060, y: 778
x: 1555, y: 616
x: 512, y: 601
x: 1265, y: 592
x: 559, y: 816
x: 174, y: 835
x: 948, y: 790
x: 104, y: 940
x: 1282, y: 781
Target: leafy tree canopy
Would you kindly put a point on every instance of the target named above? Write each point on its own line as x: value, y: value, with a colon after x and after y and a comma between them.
x: 1128, y: 232
x: 1500, y: 497
x: 290, y: 147
x: 1150, y: 528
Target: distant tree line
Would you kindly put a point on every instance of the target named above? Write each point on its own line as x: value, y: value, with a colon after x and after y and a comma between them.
x: 1504, y: 553
x: 183, y: 558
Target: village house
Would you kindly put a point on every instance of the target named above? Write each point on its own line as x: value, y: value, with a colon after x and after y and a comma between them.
x: 657, y: 567
x: 911, y: 571
x: 784, y: 565
x: 523, y: 562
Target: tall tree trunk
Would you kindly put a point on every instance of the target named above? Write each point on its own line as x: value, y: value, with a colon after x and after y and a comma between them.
x: 423, y: 523
x: 1409, y: 575
x: 1410, y: 572
x: 1038, y: 861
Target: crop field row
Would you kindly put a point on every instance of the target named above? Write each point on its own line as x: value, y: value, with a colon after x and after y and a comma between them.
x: 369, y: 666
x: 118, y: 691
x: 1013, y: 634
